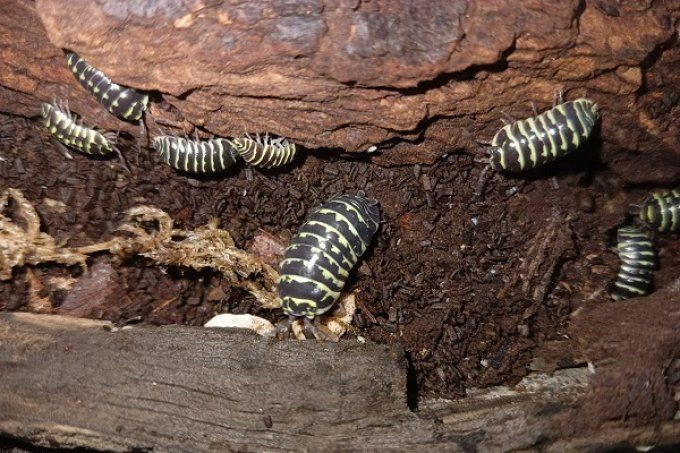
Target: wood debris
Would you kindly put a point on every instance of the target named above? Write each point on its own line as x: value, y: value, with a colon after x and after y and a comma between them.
x: 147, y: 231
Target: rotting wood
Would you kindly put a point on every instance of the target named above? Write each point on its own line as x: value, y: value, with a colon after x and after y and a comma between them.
x: 551, y: 245
x: 358, y: 75
x: 80, y: 383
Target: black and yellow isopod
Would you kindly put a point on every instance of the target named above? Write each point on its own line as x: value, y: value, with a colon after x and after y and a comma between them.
x: 123, y: 102
x: 636, y: 252
x: 535, y: 141
x: 196, y: 156
x: 662, y: 210
x: 265, y: 151
x: 321, y: 255
x: 62, y: 124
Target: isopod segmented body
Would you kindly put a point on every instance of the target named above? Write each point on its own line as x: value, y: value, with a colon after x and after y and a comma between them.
x: 535, y: 141
x: 636, y: 253
x: 323, y: 252
x: 662, y: 210
x: 265, y: 151
x: 123, y: 102
x: 196, y: 156
x: 62, y: 125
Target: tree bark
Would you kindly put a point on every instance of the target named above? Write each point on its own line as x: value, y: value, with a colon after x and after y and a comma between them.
x: 415, y: 79
x: 78, y: 383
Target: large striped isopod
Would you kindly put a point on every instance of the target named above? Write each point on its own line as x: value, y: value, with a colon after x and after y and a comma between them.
x: 123, y: 102
x: 636, y: 253
x: 321, y: 255
x: 265, y: 151
x: 662, y: 210
x: 196, y: 156
x: 62, y: 125
x: 531, y: 142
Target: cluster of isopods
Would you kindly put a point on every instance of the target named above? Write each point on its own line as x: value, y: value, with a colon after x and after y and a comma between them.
x: 531, y: 142
x: 191, y: 156
x: 328, y: 245
x: 661, y: 211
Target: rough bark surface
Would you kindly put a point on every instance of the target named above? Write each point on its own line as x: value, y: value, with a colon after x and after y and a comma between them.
x: 635, y: 349
x: 416, y: 79
x: 140, y: 387
x: 71, y: 383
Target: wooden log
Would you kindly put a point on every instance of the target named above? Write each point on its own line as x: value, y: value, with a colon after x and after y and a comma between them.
x: 78, y: 383
x: 189, y: 388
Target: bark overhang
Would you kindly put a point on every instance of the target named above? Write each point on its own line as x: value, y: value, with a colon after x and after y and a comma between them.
x: 415, y: 79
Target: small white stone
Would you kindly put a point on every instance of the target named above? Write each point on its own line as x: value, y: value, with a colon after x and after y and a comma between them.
x: 258, y: 325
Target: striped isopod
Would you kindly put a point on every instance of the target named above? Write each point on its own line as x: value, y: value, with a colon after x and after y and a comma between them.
x: 323, y: 252
x: 636, y: 253
x: 662, y: 210
x: 265, y: 151
x: 62, y: 125
x: 535, y: 141
x: 123, y: 102
x: 196, y: 156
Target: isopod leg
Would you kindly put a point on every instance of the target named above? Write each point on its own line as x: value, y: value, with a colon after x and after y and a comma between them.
x: 533, y: 108
x: 64, y: 150
x: 315, y: 330
x: 63, y: 106
x: 555, y: 183
x: 507, y: 118
x: 283, y: 328
x: 558, y: 98
x: 122, y: 159
x: 142, y: 134
x: 481, y: 183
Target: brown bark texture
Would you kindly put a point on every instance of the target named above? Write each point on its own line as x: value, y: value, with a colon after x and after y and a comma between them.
x: 416, y: 79
x: 72, y: 382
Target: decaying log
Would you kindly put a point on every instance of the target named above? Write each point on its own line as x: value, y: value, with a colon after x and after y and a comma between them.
x: 635, y: 349
x: 415, y: 79
x: 192, y: 389
x: 74, y: 382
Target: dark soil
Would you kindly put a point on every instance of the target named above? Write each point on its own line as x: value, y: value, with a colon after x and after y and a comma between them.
x: 470, y: 288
